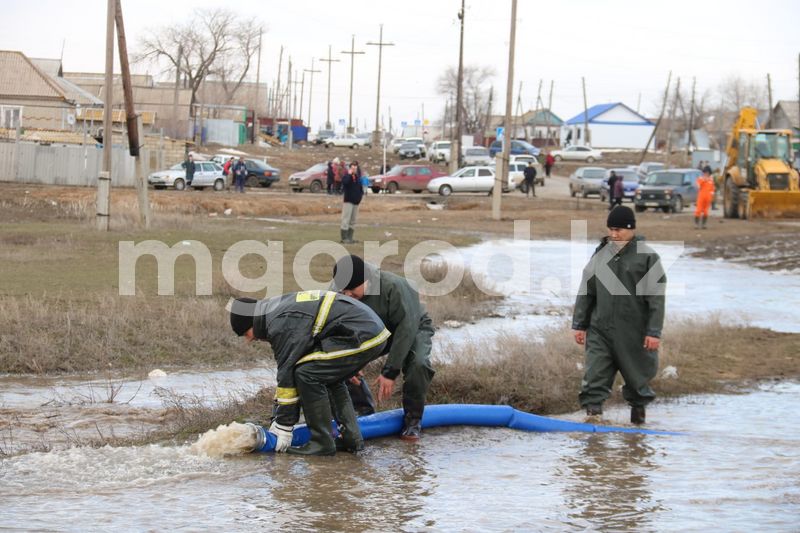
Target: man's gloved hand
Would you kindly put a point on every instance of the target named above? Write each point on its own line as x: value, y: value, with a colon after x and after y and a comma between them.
x: 284, y: 434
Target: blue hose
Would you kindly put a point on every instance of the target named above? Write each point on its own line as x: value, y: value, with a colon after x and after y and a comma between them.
x: 387, y: 423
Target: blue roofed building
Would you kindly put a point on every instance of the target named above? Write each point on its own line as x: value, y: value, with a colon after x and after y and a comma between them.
x: 612, y: 125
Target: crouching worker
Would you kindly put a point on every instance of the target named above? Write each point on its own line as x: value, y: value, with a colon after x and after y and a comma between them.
x: 320, y: 339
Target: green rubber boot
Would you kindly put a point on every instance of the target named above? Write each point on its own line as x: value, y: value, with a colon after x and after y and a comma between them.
x: 318, y: 419
x: 350, y: 439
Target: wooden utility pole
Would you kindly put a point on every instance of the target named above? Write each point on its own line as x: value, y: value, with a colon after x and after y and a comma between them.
x: 311, y: 73
x: 501, y: 175
x: 376, y: 135
x: 352, y: 53
x: 256, y: 127
x: 658, y: 122
x: 175, y: 119
x: 277, y: 95
x: 586, y: 136
x: 769, y: 98
x: 103, y: 200
x: 672, y: 120
x: 549, y: 117
x: 690, y: 137
x: 302, y: 91
x: 455, y: 145
x: 132, y: 120
x: 518, y: 112
x: 330, y: 61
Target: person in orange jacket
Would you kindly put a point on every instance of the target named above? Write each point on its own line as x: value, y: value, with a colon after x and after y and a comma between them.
x: 705, y: 194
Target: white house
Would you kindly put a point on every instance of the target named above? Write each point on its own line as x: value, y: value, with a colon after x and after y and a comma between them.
x: 613, y: 125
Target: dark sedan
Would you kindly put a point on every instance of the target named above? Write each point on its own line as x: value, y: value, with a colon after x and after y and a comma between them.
x: 259, y: 172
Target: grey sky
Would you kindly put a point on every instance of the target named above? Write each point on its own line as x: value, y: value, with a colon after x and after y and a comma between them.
x: 623, y: 48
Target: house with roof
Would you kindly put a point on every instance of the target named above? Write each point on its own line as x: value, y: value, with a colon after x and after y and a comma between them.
x: 612, y: 125
x: 786, y: 116
x: 541, y: 123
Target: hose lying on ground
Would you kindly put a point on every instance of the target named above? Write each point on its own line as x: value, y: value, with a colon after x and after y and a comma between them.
x: 387, y: 423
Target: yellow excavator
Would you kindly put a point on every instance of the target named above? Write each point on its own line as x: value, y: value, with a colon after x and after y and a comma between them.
x: 759, y: 179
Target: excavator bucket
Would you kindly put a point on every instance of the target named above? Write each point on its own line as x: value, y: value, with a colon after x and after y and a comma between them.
x: 773, y: 204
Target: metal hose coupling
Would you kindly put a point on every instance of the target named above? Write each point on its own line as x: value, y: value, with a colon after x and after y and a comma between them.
x: 260, y: 437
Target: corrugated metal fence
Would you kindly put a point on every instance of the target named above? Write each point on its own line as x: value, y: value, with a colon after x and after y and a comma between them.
x: 26, y: 162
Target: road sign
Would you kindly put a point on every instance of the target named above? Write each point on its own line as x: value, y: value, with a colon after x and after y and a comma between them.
x: 342, y: 122
x: 499, y: 133
x: 404, y: 124
x: 426, y: 122
x: 418, y: 122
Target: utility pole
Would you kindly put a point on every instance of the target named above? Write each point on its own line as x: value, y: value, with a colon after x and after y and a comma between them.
x: 311, y: 72
x: 769, y: 97
x: 672, y: 120
x: 376, y: 135
x: 302, y: 91
x: 330, y: 62
x: 132, y: 120
x: 175, y: 120
x: 586, y: 138
x: 352, y: 53
x: 690, y: 143
x: 277, y: 95
x: 256, y: 128
x: 103, y: 200
x: 455, y: 145
x: 660, y: 116
x: 502, y: 170
x: 549, y: 117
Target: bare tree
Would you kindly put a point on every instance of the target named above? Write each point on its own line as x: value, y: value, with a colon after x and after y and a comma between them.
x: 736, y: 93
x: 213, y: 42
x: 476, y: 89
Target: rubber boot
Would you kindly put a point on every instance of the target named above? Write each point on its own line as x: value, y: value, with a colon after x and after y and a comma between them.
x: 637, y: 414
x: 412, y: 420
x: 703, y: 222
x: 343, y: 236
x: 350, y: 239
x: 350, y: 439
x: 696, y: 222
x: 318, y: 419
x: 594, y: 409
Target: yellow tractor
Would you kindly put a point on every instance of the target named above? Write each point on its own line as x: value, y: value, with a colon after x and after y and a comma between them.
x: 759, y: 178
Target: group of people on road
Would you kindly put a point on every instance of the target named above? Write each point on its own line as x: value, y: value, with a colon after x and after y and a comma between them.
x: 322, y: 340
x: 235, y: 171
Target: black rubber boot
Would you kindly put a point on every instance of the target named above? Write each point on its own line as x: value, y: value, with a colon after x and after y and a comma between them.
x: 594, y: 410
x: 343, y: 236
x: 350, y: 438
x: 318, y: 419
x: 412, y: 420
x: 696, y: 222
x: 703, y: 222
x: 637, y: 414
x: 350, y: 239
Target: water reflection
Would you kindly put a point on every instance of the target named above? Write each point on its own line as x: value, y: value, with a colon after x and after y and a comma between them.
x: 611, y: 487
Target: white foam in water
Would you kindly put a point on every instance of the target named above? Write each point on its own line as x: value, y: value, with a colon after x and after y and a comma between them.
x: 226, y: 440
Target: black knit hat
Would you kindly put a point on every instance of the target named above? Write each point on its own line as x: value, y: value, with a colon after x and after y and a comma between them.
x: 621, y: 217
x: 348, y: 272
x: 242, y: 312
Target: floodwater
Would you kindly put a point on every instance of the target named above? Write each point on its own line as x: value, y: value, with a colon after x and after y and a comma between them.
x: 736, y: 470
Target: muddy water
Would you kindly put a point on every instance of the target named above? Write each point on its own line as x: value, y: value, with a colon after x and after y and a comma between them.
x: 737, y: 470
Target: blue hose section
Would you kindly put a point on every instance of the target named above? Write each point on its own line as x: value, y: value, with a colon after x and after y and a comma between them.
x: 388, y: 423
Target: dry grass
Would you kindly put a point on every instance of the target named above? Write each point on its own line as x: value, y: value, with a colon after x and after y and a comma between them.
x: 465, y: 303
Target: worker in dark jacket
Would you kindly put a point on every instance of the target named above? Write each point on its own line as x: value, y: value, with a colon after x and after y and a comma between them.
x: 619, y: 314
x: 353, y: 193
x: 397, y: 304
x: 319, y: 339
x: 612, y: 191
x: 530, y: 179
x: 189, y: 165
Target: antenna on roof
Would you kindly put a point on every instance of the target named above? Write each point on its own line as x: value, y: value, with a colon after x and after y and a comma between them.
x: 63, y: 43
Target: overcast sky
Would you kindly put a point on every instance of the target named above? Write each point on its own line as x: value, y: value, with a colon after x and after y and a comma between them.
x: 624, y: 48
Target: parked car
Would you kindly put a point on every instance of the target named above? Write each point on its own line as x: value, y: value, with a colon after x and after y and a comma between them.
x: 396, y: 143
x: 586, y: 181
x: 405, y: 178
x: 347, y: 140
x: 221, y: 159
x: 206, y: 174
x: 668, y: 190
x: 516, y: 148
x: 477, y: 155
x: 439, y: 152
x: 577, y: 153
x: 516, y: 171
x: 646, y: 168
x: 261, y: 173
x: 420, y: 144
x: 409, y: 150
x: 630, y: 182
x: 468, y: 179
x: 323, y: 136
x: 313, y: 178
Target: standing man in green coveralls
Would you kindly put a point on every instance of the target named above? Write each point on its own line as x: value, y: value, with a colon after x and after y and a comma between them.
x: 619, y: 314
x: 397, y: 304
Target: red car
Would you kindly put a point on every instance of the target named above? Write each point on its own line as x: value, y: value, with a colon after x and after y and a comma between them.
x: 405, y: 178
x: 314, y: 179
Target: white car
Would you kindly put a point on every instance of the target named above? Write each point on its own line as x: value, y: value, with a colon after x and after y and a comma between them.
x: 348, y: 140
x: 206, y: 174
x: 577, y: 153
x: 468, y: 179
x: 439, y: 151
x: 477, y: 155
x: 420, y: 144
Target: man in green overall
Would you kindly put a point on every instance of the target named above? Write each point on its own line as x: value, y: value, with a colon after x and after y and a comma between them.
x: 397, y: 303
x: 619, y: 314
x: 319, y: 339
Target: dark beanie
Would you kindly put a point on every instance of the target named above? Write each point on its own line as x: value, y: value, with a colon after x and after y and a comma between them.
x: 621, y: 217
x: 348, y: 272
x: 242, y: 311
